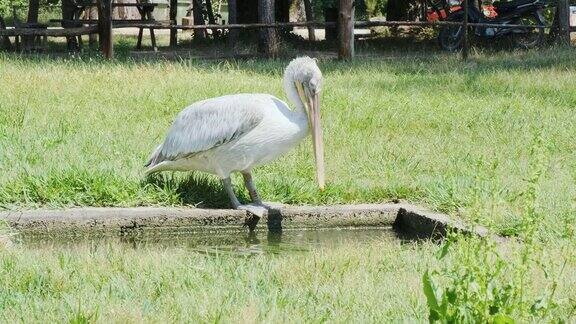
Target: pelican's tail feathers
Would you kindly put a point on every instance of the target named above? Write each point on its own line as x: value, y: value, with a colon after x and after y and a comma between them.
x: 154, y: 157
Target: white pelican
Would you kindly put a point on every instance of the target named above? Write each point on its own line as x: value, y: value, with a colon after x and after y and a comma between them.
x: 236, y: 133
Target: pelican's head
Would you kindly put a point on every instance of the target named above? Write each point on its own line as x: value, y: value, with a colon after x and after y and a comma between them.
x: 303, y: 83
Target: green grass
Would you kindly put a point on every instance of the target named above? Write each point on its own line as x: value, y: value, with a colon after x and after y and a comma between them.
x: 453, y: 136
x: 120, y: 284
x: 378, y: 281
x: 490, y: 141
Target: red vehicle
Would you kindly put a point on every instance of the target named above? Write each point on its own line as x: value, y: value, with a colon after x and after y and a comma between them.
x: 519, y: 13
x: 437, y: 11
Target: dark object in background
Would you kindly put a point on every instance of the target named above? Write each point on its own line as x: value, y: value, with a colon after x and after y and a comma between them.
x: 331, y: 15
x: 402, y: 10
x: 6, y: 44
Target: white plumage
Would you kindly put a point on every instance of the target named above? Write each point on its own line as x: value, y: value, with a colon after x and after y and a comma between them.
x: 230, y: 133
x: 239, y: 132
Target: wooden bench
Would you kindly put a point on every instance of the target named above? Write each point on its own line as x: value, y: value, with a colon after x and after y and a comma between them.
x: 49, y: 32
x: 31, y: 42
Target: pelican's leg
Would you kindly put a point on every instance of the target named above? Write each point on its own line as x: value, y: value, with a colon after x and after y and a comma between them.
x: 227, y: 183
x: 254, y: 209
x: 249, y: 183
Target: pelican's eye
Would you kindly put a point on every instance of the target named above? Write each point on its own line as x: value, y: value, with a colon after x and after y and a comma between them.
x: 315, y: 85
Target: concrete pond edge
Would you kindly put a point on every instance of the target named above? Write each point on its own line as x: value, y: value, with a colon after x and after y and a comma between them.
x: 408, y: 220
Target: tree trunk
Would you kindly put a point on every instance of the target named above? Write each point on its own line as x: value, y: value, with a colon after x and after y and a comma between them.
x: 92, y: 13
x: 33, y: 9
x: 282, y: 10
x: 331, y: 15
x: 105, y: 28
x: 173, y: 16
x: 211, y: 19
x: 5, y: 40
x: 199, y: 34
x: 309, y: 17
x: 246, y: 11
x: 268, y: 44
x: 346, y: 30
x: 68, y: 15
x: 564, y: 21
x: 232, y: 19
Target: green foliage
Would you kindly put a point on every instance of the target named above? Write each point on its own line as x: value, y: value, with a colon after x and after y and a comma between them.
x: 474, y: 290
x: 483, y: 285
x: 480, y: 285
x: 7, y: 5
x: 47, y: 8
x: 375, y: 8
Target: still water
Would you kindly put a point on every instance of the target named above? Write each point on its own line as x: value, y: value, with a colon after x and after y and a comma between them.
x: 218, y: 242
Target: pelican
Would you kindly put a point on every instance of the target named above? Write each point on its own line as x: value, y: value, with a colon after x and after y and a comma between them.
x: 238, y: 132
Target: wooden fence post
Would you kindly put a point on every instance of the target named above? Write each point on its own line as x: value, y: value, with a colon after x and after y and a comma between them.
x: 173, y: 17
x: 465, y: 44
x: 232, y: 19
x: 564, y: 21
x: 268, y: 43
x: 105, y: 28
x: 346, y: 30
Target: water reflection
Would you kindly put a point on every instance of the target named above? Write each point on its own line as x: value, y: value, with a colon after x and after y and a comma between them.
x: 224, y: 242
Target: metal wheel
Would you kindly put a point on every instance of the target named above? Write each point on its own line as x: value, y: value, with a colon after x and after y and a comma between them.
x: 528, y: 37
x: 451, y: 38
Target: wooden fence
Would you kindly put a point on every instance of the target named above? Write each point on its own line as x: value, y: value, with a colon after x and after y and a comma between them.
x: 345, y: 25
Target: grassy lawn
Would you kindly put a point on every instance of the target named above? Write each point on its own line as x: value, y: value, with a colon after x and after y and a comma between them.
x: 490, y: 141
x: 117, y: 283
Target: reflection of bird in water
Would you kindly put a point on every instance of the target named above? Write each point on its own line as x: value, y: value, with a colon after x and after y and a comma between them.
x: 274, y: 238
x: 251, y: 238
x: 236, y: 133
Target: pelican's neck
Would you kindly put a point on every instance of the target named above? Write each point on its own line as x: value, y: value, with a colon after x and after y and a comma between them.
x: 292, y: 94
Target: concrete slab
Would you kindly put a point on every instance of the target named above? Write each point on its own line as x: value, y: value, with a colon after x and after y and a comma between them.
x: 408, y: 219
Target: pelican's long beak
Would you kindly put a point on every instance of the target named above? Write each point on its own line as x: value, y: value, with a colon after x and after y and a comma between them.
x: 317, y: 140
x: 312, y: 103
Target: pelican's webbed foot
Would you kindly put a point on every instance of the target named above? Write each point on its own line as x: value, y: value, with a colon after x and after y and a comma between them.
x: 257, y: 210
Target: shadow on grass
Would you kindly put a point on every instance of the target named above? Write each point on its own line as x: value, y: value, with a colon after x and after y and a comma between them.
x: 192, y: 189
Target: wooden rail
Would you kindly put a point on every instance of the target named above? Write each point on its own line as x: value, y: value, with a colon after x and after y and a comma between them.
x: 358, y: 24
x: 134, y: 22
x: 52, y: 32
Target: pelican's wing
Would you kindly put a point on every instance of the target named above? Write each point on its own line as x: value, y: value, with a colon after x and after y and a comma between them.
x: 206, y: 125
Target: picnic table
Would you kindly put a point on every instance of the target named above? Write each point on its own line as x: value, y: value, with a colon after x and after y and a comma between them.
x: 144, y: 9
